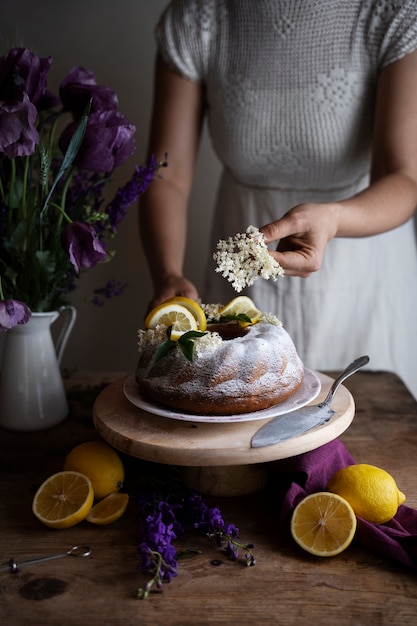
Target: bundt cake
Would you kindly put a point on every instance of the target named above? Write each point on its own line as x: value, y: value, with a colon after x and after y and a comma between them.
x: 235, y: 368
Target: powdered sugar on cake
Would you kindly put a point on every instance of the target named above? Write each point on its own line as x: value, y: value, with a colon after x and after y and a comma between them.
x: 247, y: 373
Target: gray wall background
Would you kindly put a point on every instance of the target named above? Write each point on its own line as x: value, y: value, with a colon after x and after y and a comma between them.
x: 115, y: 41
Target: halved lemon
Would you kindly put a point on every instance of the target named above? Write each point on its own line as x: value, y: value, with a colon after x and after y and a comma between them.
x: 109, y: 509
x: 194, y: 308
x: 239, y: 305
x: 63, y: 500
x: 323, y: 524
x: 172, y: 314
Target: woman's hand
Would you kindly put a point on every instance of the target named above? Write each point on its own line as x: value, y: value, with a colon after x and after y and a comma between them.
x: 302, y: 236
x: 173, y: 286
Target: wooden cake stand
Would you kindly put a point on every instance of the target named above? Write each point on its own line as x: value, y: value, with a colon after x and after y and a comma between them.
x: 216, y: 458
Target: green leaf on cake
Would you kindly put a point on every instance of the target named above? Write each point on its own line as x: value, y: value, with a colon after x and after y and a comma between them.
x: 164, y: 348
x: 185, y: 344
x: 240, y: 317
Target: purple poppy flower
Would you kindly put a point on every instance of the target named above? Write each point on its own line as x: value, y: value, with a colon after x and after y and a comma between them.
x: 13, y: 312
x: 21, y: 71
x: 18, y: 135
x: 79, y: 87
x: 108, y: 141
x: 84, y: 249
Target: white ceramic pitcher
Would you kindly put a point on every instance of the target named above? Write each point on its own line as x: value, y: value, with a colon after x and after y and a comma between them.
x: 32, y: 394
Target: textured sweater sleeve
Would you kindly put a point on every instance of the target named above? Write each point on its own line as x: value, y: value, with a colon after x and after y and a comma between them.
x: 395, y: 26
x: 183, y: 35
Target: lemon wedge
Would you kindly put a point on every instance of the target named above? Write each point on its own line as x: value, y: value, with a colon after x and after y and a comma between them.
x: 242, y: 305
x: 194, y: 308
x: 172, y: 314
x: 108, y: 510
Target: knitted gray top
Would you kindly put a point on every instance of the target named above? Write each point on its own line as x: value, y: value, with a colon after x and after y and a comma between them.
x: 289, y: 83
x: 290, y: 87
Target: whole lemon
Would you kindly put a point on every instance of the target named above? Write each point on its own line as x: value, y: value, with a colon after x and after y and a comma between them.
x: 100, y: 463
x: 372, y: 492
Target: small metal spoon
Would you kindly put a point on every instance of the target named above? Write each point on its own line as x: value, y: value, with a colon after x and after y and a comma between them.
x: 14, y: 567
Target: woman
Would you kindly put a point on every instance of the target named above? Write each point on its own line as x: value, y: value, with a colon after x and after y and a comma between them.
x: 312, y: 110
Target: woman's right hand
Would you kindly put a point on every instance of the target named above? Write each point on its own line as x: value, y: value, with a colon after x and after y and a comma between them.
x: 171, y: 287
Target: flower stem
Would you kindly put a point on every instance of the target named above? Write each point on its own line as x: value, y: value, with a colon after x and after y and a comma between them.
x: 143, y: 592
x: 61, y: 211
x: 12, y: 181
x: 24, y: 188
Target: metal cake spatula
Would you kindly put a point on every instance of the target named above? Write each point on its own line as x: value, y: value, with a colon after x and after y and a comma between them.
x: 283, y: 427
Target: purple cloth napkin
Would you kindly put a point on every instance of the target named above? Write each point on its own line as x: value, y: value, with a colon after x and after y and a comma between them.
x: 310, y: 472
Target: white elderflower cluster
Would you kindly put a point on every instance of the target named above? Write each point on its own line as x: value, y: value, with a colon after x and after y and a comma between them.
x: 212, y: 311
x: 151, y: 337
x: 208, y: 343
x: 269, y: 318
x: 244, y: 257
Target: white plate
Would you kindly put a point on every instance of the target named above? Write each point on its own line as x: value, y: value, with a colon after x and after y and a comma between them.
x: 309, y: 390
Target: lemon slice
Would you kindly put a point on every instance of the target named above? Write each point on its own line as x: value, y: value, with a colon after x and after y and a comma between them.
x: 172, y: 314
x: 63, y: 500
x: 108, y: 510
x: 239, y: 305
x: 194, y: 308
x: 323, y: 524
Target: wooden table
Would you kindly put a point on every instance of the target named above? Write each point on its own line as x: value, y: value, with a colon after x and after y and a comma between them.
x: 287, y: 586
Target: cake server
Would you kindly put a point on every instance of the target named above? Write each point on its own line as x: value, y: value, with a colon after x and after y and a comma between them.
x: 283, y: 427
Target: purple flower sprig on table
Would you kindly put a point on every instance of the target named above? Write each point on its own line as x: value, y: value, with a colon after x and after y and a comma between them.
x: 164, y: 519
x: 160, y: 528
x: 57, y: 155
x: 210, y: 521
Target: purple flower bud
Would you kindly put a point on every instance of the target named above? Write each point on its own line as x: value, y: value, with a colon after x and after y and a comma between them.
x: 18, y: 135
x: 84, y: 249
x: 13, y: 312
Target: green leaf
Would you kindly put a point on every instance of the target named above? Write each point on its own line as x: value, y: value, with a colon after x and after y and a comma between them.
x: 19, y: 236
x: 47, y: 263
x: 188, y: 552
x: 240, y: 317
x: 185, y: 344
x: 187, y: 349
x: 71, y: 153
x: 164, y: 348
x: 191, y: 334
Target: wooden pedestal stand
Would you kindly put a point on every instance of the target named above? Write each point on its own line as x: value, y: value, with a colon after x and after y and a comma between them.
x: 216, y: 458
